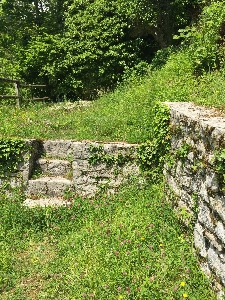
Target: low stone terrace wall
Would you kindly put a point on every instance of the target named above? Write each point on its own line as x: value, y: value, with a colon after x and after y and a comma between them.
x: 195, y: 173
x: 89, y: 166
x: 95, y: 166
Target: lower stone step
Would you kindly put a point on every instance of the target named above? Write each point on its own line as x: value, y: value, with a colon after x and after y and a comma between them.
x: 43, y: 202
x: 54, y: 167
x: 50, y: 186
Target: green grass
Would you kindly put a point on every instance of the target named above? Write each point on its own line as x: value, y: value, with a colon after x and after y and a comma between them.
x: 126, y: 246
x: 124, y: 115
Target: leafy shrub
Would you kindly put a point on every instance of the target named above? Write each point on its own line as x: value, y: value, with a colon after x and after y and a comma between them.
x: 138, y: 71
x: 161, y: 57
x: 10, y: 155
x: 204, y: 39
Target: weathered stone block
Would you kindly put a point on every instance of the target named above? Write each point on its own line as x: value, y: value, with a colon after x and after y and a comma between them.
x: 199, y: 240
x: 54, y: 167
x: 220, y: 231
x: 43, y: 202
x: 57, y: 148
x: 218, y: 205
x: 216, y: 264
x: 211, y: 182
x: 204, y: 217
x: 51, y: 186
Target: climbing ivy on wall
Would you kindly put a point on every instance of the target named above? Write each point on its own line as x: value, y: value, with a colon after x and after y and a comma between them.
x: 10, y: 155
x: 99, y: 155
x: 152, y: 154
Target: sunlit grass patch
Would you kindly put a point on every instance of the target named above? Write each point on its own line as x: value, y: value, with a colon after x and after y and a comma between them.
x: 129, y: 245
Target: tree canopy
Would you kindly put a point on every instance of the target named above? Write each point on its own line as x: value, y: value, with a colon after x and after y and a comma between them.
x: 83, y: 47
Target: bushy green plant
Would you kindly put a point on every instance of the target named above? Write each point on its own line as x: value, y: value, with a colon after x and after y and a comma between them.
x: 161, y: 56
x: 205, y: 39
x: 132, y: 74
x: 10, y: 155
x: 8, y: 69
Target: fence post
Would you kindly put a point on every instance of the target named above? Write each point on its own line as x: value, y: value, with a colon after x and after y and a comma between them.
x: 17, y: 91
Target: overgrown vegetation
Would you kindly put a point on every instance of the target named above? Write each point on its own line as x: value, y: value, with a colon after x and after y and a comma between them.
x: 205, y: 40
x: 129, y: 107
x: 152, y: 154
x: 11, y: 151
x: 131, y: 245
x: 98, y: 155
x: 92, y: 42
x: 126, y: 246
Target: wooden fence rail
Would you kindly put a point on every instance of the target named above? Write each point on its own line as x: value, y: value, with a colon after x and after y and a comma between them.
x: 18, y: 85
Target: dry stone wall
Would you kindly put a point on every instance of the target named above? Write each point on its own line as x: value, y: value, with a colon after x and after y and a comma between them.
x: 89, y: 174
x: 87, y: 167
x: 197, y: 135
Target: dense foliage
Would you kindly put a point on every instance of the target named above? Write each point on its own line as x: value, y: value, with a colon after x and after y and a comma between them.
x: 206, y: 39
x: 10, y: 155
x: 82, y: 48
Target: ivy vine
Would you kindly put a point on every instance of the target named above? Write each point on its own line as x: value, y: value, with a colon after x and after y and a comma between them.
x: 182, y: 152
x: 152, y: 154
x: 98, y: 155
x: 10, y: 155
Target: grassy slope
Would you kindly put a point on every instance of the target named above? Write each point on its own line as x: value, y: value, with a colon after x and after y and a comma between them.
x: 124, y: 115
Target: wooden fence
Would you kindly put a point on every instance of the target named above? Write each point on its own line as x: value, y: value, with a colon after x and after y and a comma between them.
x: 18, y: 85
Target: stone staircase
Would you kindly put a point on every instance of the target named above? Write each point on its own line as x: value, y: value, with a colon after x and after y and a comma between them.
x: 53, y: 167
x: 51, y: 178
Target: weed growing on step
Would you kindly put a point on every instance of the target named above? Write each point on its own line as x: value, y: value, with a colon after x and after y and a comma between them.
x: 99, y: 155
x: 123, y: 246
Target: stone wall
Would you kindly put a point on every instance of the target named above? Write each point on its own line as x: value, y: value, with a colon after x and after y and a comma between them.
x: 197, y: 135
x: 87, y: 167
x: 89, y: 176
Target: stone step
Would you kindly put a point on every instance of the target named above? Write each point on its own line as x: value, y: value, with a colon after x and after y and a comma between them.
x: 66, y: 148
x: 43, y: 202
x: 54, y: 167
x: 51, y: 186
